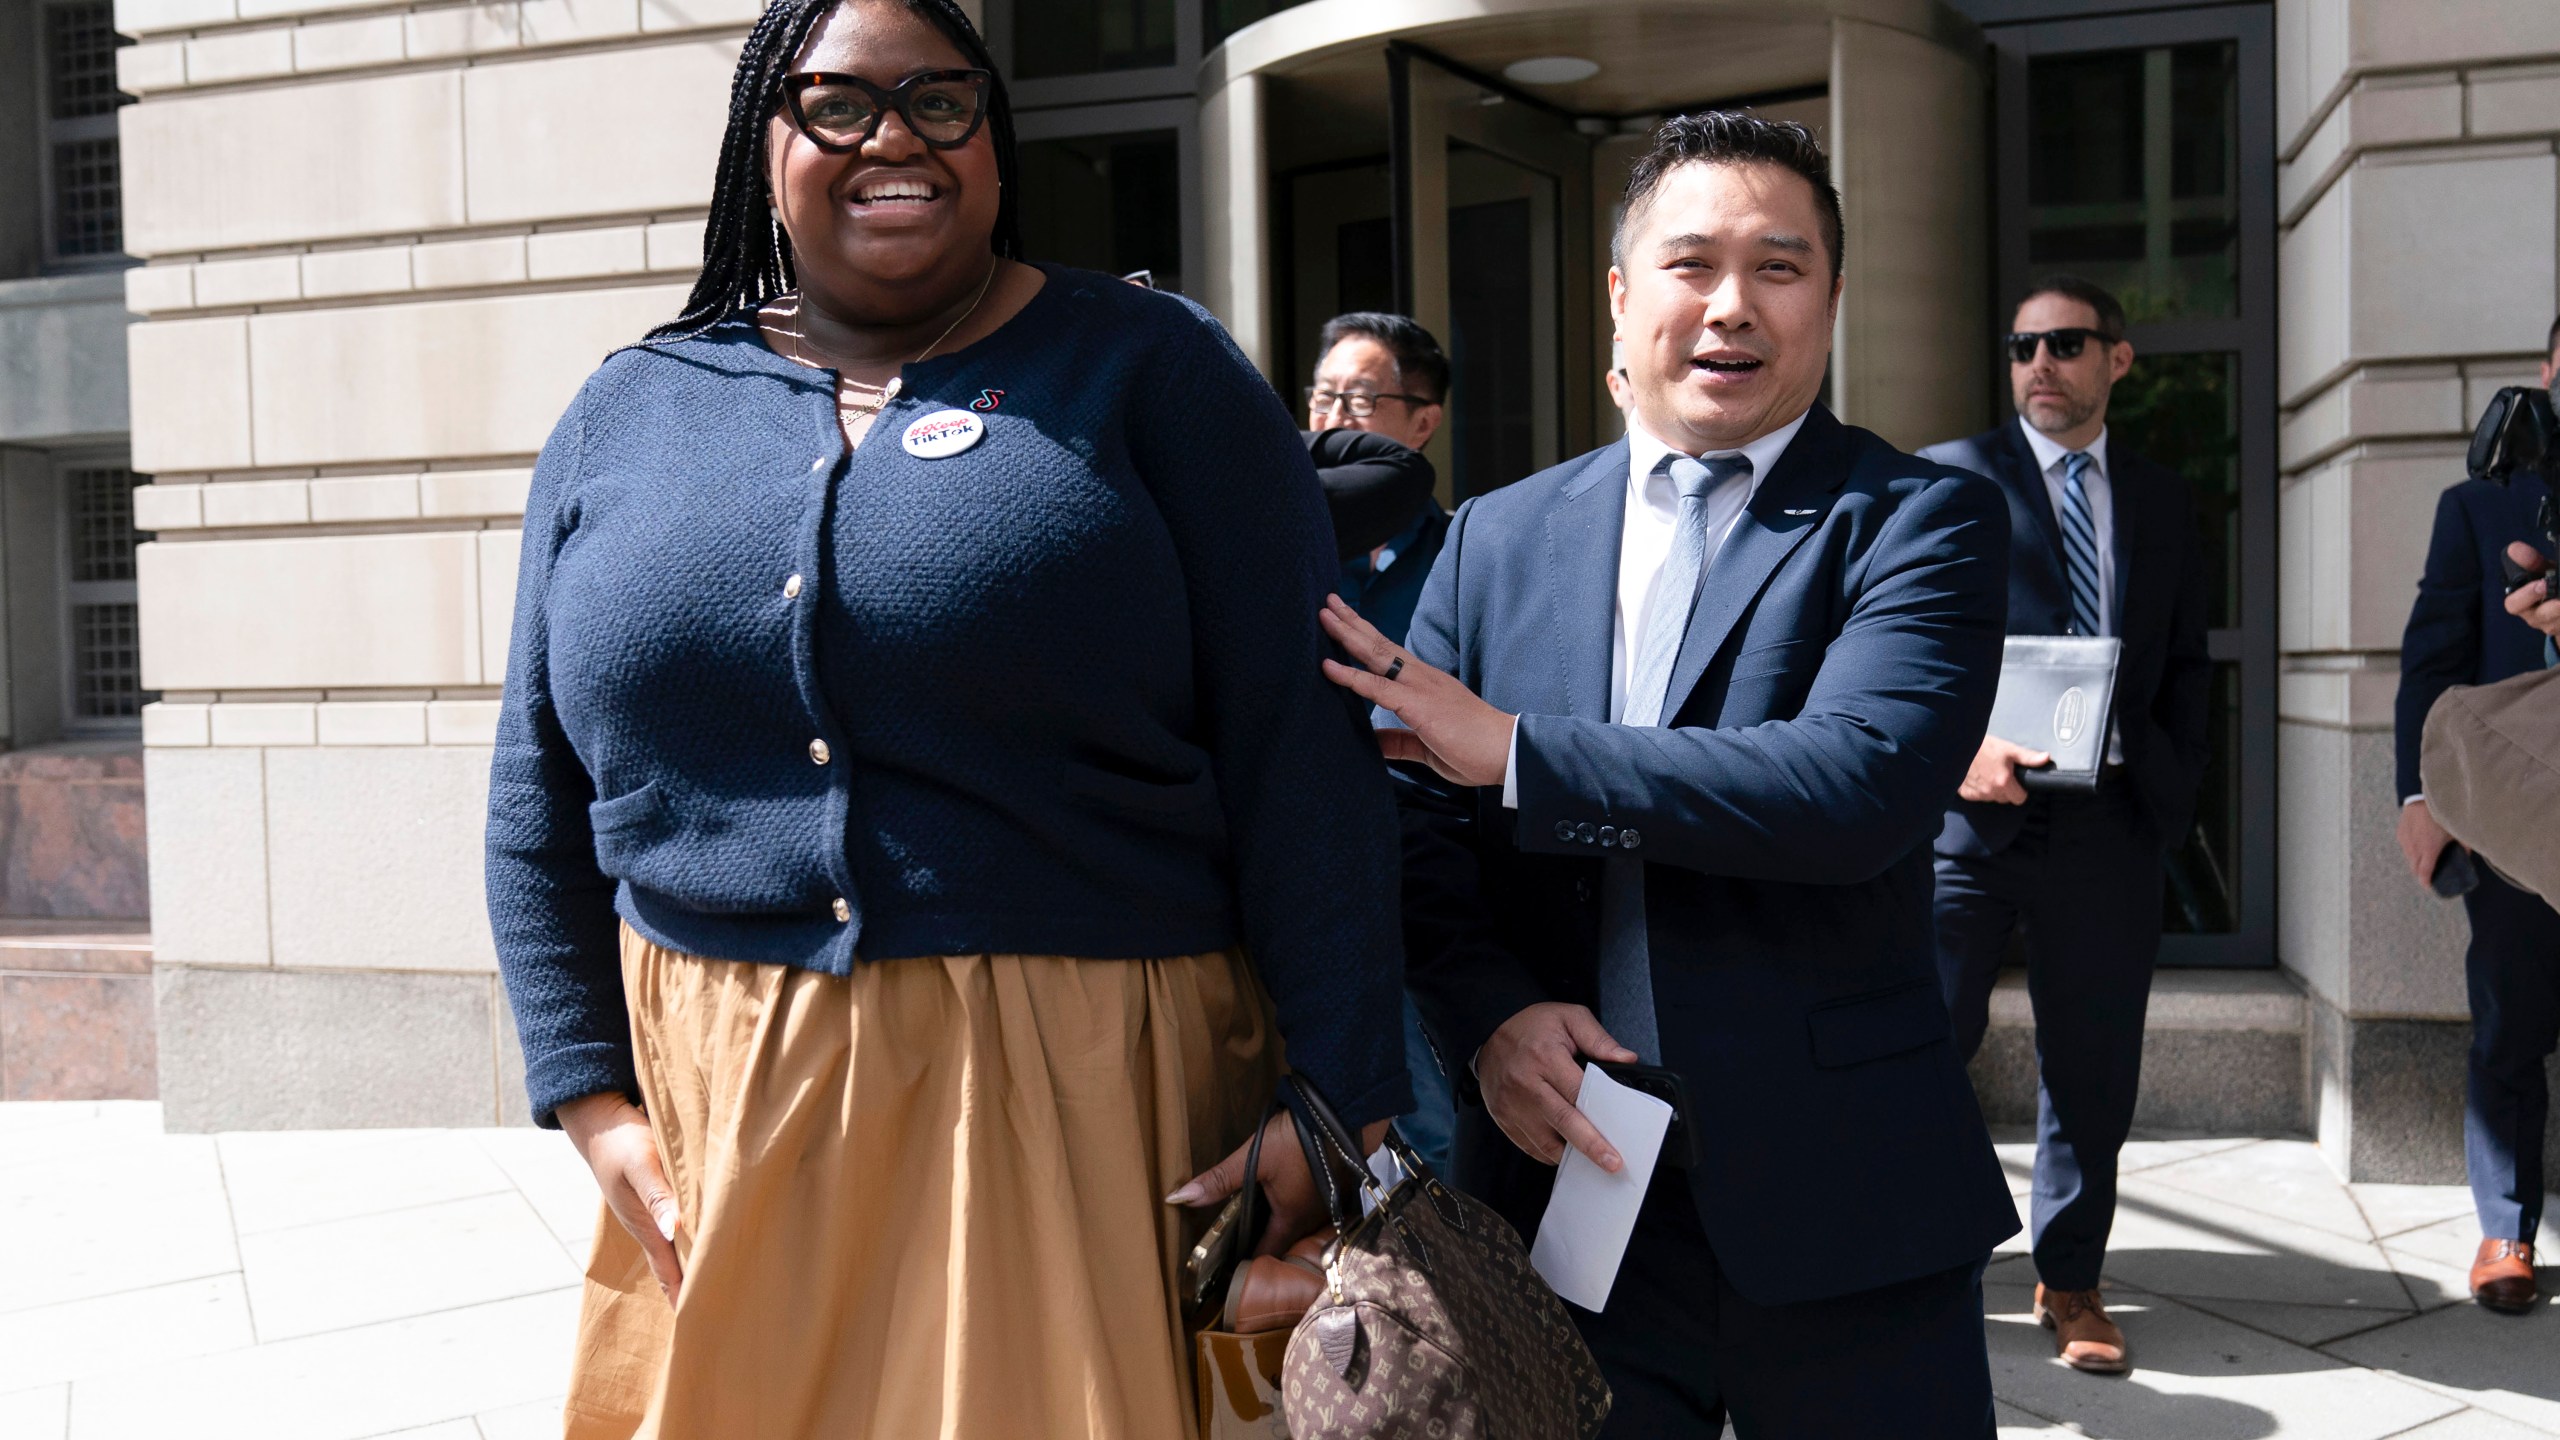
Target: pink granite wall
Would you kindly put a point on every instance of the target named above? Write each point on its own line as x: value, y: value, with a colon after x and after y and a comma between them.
x: 71, y: 837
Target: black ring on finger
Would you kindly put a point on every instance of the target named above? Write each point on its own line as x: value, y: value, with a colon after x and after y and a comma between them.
x: 1395, y: 667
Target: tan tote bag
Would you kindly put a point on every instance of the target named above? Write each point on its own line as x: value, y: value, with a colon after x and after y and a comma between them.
x: 2489, y: 762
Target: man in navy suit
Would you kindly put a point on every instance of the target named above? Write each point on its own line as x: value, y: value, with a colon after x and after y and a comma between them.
x: 2101, y: 542
x: 1687, y: 710
x: 2464, y: 631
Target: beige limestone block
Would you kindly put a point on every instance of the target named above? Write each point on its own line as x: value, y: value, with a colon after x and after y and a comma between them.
x: 352, y: 498
x: 377, y: 853
x: 451, y: 494
x: 455, y: 264
x: 697, y: 14
x: 346, y: 44
x: 374, y: 270
x: 262, y: 723
x: 676, y: 245
x: 565, y: 22
x: 239, y: 55
x: 498, y: 552
x: 2482, y: 379
x: 190, y: 386
x: 373, y: 722
x: 259, y: 281
x: 461, y: 30
x: 2312, y: 324
x: 167, y: 507
x: 2355, y: 533
x: 462, y: 722
x: 2373, y: 403
x: 2504, y: 247
x: 145, y: 17
x: 579, y: 254
x: 556, y: 138
x: 258, y: 502
x: 151, y: 65
x: 335, y: 611
x: 207, y: 852
x: 444, y: 379
x: 167, y: 723
x: 268, y: 166
x: 2451, y: 32
x: 149, y: 289
x: 279, y: 9
x: 2521, y: 101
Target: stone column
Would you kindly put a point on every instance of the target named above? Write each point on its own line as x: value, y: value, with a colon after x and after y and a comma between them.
x: 2417, y: 195
x: 385, y: 248
x: 1906, y: 142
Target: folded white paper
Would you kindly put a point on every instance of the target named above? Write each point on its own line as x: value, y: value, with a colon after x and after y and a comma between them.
x: 1389, y: 1172
x: 1592, y: 1213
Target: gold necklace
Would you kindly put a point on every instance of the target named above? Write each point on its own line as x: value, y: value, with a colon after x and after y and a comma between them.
x: 856, y: 405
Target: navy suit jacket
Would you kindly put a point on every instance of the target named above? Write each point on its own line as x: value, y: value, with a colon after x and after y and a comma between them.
x: 1837, y: 674
x: 2163, y: 680
x: 2459, y: 630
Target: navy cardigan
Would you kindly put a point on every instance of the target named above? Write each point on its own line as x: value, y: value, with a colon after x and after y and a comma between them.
x: 769, y: 699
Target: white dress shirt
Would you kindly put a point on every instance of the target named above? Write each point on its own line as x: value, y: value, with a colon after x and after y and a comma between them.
x: 2102, y: 514
x: 2102, y: 507
x: 1644, y: 545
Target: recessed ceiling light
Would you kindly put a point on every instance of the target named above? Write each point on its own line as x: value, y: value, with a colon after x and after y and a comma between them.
x: 1550, y: 70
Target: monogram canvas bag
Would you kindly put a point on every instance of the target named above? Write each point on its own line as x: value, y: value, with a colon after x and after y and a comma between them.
x: 1432, y: 1325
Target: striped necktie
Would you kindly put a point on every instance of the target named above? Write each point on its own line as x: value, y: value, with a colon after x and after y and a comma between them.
x: 2080, y: 544
x: 1626, y: 950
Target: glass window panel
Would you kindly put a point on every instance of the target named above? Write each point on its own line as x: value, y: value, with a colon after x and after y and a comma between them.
x: 88, y: 210
x: 1079, y: 37
x: 101, y: 521
x: 1226, y: 17
x: 2183, y: 411
x: 2203, y: 889
x: 2133, y: 164
x: 80, y: 59
x: 1105, y: 202
x: 106, y: 662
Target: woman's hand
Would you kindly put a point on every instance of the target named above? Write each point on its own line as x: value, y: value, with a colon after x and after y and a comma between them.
x: 1297, y: 1210
x: 613, y: 1135
x: 1446, y: 726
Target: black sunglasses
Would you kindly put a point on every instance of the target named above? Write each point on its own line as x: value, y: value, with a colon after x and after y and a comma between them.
x: 2065, y: 343
x: 942, y: 108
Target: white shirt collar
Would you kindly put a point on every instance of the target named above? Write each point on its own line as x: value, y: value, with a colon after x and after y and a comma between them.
x: 2049, y: 453
x: 1645, y: 452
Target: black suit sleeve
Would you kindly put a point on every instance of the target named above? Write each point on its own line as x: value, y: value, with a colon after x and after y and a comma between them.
x: 2441, y: 647
x: 1464, y: 979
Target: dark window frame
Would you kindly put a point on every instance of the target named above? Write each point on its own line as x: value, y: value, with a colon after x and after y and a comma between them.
x: 55, y: 132
x: 2251, y: 336
x: 78, y: 594
x: 1181, y: 116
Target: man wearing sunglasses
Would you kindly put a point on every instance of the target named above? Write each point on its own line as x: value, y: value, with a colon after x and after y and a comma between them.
x: 2102, y: 542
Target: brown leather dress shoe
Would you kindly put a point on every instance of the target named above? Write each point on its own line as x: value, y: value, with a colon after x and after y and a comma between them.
x: 2082, y: 1333
x: 2502, y: 1277
x: 1273, y: 1292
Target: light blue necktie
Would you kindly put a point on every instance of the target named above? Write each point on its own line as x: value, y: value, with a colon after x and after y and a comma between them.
x: 1626, y: 951
x: 2080, y: 544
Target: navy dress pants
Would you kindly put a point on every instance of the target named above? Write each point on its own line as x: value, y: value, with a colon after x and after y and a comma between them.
x: 1682, y: 1351
x: 2513, y: 968
x: 2085, y: 877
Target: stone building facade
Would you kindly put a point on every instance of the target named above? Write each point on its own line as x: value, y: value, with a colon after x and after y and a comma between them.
x: 381, y: 241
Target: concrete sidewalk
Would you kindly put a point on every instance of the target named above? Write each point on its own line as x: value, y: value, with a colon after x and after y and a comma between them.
x: 335, y: 1285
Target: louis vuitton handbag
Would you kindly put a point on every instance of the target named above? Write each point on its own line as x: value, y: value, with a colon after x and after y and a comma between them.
x: 1431, y: 1324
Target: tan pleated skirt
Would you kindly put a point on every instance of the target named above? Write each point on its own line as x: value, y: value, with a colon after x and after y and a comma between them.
x: 922, y: 1200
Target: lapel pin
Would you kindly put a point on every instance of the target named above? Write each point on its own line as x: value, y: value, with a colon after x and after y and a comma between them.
x: 1800, y: 512
x: 943, y: 434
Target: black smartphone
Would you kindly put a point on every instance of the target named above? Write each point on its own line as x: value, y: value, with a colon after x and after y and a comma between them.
x: 1680, y: 1142
x: 2455, y: 875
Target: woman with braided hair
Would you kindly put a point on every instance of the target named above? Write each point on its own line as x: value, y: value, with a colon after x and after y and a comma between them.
x: 913, y: 722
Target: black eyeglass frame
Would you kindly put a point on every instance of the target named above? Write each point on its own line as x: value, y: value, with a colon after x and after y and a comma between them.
x: 1344, y: 397
x: 2066, y: 343
x: 882, y: 102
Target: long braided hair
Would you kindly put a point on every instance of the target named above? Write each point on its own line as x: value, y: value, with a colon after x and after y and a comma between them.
x: 746, y: 257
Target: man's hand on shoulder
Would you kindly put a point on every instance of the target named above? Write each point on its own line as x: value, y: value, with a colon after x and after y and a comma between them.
x: 1993, y: 778
x: 2533, y: 602
x: 1531, y: 1073
x: 1447, y: 726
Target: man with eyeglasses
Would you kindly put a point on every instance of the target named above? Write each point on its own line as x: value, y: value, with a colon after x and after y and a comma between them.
x: 2102, y: 542
x: 1381, y: 390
